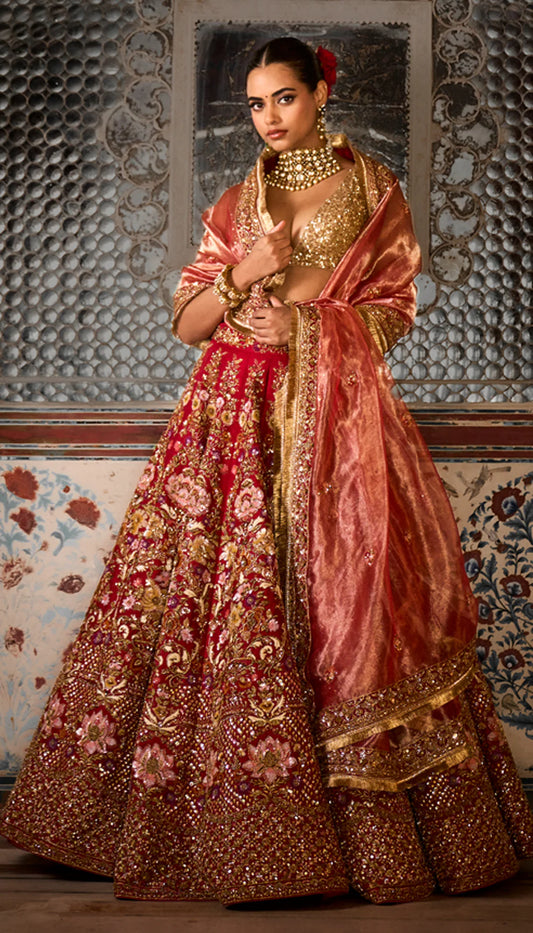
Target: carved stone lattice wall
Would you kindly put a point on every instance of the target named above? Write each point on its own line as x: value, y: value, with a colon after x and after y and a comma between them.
x: 474, y: 344
x: 85, y: 102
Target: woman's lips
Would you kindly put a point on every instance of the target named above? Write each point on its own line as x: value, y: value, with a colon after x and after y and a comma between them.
x: 276, y: 134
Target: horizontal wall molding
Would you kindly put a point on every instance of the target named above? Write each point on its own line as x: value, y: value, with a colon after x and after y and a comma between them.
x: 451, y: 432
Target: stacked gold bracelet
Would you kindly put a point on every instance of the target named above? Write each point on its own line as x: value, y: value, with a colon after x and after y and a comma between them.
x: 225, y: 290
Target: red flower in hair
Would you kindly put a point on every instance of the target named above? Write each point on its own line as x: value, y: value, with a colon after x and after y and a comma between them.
x: 328, y: 63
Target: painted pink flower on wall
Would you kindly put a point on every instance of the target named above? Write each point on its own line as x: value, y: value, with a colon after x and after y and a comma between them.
x: 153, y: 765
x: 97, y: 732
x: 13, y: 570
x: 14, y: 640
x: 25, y: 519
x: 72, y: 583
x: 84, y: 511
x: 21, y: 483
x: 269, y: 759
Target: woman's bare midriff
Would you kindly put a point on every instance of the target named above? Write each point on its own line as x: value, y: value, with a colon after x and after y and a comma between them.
x: 302, y: 283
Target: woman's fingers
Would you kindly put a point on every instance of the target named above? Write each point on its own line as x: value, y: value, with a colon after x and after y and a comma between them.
x: 271, y: 324
x: 276, y: 302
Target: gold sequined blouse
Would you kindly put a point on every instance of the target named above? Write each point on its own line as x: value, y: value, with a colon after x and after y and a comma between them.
x: 331, y: 231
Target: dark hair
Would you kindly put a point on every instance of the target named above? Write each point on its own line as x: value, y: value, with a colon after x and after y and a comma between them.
x: 290, y: 51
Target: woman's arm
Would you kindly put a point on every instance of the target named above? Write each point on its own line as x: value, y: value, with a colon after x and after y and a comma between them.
x: 203, y: 313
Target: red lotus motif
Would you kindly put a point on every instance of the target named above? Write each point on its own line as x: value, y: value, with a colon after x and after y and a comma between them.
x: 22, y: 483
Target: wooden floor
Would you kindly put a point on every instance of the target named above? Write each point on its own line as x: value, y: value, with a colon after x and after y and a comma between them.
x: 37, y: 896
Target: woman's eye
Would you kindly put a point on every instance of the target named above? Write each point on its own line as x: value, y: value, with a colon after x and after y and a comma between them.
x: 286, y: 99
x: 256, y: 106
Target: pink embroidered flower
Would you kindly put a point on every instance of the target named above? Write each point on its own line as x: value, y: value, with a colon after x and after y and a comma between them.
x: 494, y: 731
x: 147, y: 477
x: 129, y: 602
x: 13, y: 570
x: 53, y: 716
x: 22, y: 483
x: 185, y: 633
x: 211, y: 770
x: 189, y: 492
x: 97, y: 732
x: 269, y: 759
x: 469, y: 764
x: 249, y: 500
x: 153, y: 766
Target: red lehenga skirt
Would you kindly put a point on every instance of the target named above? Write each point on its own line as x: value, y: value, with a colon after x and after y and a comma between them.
x: 176, y: 752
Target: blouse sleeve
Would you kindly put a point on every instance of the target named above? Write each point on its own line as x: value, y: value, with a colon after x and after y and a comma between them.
x: 220, y: 245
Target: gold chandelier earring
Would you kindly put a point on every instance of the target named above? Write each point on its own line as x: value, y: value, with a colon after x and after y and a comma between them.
x: 321, y: 122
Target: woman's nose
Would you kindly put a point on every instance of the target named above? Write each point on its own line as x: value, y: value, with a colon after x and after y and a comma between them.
x: 271, y: 114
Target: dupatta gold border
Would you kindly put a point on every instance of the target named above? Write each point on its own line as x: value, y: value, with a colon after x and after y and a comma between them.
x: 425, y: 691
x: 441, y: 763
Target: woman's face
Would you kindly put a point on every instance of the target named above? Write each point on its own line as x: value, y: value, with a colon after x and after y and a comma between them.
x: 284, y: 110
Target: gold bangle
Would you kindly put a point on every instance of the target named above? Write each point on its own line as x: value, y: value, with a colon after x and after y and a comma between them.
x: 225, y: 290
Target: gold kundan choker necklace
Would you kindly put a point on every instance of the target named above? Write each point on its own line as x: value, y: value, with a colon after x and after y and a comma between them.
x: 298, y: 169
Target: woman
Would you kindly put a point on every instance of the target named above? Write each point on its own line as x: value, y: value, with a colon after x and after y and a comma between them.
x: 274, y: 692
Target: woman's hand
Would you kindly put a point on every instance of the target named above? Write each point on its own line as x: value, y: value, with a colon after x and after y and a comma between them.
x: 272, y: 324
x: 269, y: 254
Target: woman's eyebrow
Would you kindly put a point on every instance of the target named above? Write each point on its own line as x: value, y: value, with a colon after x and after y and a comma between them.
x: 282, y: 90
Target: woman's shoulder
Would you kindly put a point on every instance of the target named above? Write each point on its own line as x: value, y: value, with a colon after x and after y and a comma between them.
x: 383, y: 176
x: 377, y: 177
x: 225, y: 204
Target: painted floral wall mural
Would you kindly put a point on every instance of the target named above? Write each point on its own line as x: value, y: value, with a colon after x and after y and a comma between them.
x: 58, y: 522
x: 57, y: 525
x: 498, y: 543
